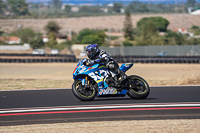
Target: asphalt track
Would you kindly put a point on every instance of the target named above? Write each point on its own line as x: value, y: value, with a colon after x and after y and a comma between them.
x: 61, y: 106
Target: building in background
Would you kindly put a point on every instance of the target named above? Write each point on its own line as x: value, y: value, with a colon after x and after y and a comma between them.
x: 10, y: 39
x: 197, y: 12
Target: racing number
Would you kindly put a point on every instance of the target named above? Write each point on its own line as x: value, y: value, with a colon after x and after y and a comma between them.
x: 97, y: 77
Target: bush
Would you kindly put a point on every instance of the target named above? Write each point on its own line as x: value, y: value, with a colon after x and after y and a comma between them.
x: 160, y: 23
x: 173, y: 38
x: 87, y: 36
x: 127, y: 43
x: 26, y: 34
x: 91, y: 39
x: 66, y: 44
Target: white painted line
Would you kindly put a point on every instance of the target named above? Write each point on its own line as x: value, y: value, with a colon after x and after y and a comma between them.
x: 90, y: 107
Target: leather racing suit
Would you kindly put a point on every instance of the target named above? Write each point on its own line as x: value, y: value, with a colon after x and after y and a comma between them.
x: 103, y: 58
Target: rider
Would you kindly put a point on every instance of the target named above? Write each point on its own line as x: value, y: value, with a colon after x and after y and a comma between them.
x: 97, y: 55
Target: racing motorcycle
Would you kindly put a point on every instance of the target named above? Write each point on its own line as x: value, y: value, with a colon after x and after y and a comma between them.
x: 97, y: 81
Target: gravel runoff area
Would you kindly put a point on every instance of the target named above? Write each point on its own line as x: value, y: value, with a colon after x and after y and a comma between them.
x: 19, y: 76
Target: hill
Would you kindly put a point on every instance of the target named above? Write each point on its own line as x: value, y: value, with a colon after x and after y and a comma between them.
x: 97, y: 22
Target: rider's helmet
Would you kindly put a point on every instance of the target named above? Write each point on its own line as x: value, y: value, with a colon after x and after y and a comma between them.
x: 92, y: 50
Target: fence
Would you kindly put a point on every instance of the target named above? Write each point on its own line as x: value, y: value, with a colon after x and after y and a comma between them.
x: 46, y: 58
x: 140, y: 54
x: 15, y: 47
x: 176, y: 50
x: 32, y: 58
x: 158, y: 59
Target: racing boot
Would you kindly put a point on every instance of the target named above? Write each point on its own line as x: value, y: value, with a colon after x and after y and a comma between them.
x: 116, y: 81
x: 122, y: 75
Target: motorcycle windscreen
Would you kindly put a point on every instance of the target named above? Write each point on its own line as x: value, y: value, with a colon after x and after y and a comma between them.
x: 124, y: 67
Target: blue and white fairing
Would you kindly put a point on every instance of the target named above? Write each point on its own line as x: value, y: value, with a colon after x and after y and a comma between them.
x: 126, y: 66
x: 98, y: 73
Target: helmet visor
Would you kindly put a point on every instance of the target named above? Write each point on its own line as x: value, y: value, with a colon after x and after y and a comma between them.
x: 91, y: 51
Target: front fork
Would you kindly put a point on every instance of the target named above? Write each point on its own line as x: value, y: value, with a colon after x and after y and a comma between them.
x: 86, y: 82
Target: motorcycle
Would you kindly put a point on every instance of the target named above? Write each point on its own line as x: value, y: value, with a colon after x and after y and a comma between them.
x: 97, y: 81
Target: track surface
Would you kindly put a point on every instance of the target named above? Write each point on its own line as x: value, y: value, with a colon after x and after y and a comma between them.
x: 60, y: 105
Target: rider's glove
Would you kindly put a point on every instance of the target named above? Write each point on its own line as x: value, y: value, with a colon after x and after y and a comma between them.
x: 85, y: 62
x: 88, y: 62
x: 91, y: 62
x: 104, y: 59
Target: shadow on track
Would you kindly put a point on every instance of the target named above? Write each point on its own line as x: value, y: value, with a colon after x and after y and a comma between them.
x: 120, y: 99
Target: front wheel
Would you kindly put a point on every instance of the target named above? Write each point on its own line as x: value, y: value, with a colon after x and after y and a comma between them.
x: 139, y: 88
x: 83, y: 93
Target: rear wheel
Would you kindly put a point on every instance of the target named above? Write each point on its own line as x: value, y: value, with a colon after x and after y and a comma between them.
x: 83, y: 93
x: 139, y: 88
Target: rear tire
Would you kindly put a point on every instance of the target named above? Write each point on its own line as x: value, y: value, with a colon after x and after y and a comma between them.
x: 82, y: 93
x: 139, y: 88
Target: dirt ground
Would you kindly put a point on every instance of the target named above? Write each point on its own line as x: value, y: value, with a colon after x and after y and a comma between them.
x: 139, y: 126
x: 19, y: 76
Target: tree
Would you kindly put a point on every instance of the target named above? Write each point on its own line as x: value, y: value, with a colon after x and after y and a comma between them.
x: 149, y: 30
x: 195, y: 29
x: 128, y: 27
x: 2, y: 6
x: 52, y: 43
x: 91, y: 39
x: 56, y: 3
x: 117, y: 7
x: 101, y: 35
x: 194, y: 41
x: 84, y: 33
x: 160, y: 23
x: 37, y: 42
x: 68, y: 8
x: 66, y: 44
x: 173, y: 38
x: 143, y: 8
x: 52, y: 29
x: 149, y: 36
x: 28, y: 35
x: 25, y: 34
x: 91, y: 36
x: 127, y: 43
x: 138, y: 7
x: 191, y: 3
x: 90, y: 9
x: 52, y: 26
x: 18, y: 7
x: 1, y: 32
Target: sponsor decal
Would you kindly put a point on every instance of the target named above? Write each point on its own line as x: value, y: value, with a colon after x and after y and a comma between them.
x: 82, y: 69
x: 127, y: 64
x: 109, y: 90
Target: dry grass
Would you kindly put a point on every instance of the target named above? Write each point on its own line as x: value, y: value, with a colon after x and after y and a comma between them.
x: 59, y: 75
x: 140, y: 126
x: 99, y: 22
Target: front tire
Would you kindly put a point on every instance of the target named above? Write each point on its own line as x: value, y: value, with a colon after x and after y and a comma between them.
x: 139, y: 88
x: 82, y: 93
